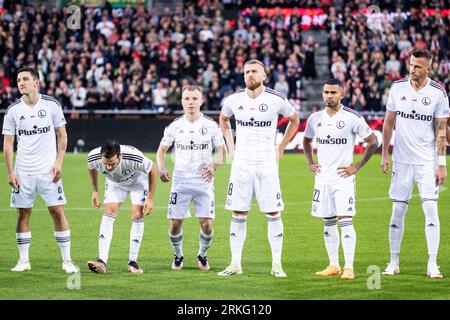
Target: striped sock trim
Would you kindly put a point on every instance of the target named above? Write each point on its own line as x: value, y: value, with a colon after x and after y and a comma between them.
x: 23, y: 241
x: 239, y: 220
x: 175, y: 239
x: 426, y: 199
x: 345, y: 223
x: 403, y: 201
x: 274, y: 218
x: 330, y: 222
x: 108, y: 215
x: 206, y: 237
x: 137, y: 220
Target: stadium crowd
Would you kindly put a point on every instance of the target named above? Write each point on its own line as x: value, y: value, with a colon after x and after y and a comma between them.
x: 370, y: 54
x: 134, y: 59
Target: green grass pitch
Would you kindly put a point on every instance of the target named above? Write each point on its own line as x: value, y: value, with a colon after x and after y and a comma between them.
x: 303, y: 252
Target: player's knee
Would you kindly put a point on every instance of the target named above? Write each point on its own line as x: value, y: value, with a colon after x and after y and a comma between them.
x: 175, y: 226
x: 206, y: 225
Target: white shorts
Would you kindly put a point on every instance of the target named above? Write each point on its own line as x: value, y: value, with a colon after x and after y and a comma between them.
x: 185, y: 192
x: 52, y: 193
x: 261, y: 181
x: 331, y: 200
x: 116, y: 192
x: 404, y: 176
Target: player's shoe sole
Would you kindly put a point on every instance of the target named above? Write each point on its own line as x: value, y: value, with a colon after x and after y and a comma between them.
x: 97, y: 266
x: 348, y: 274
x: 69, y: 267
x: 434, y: 273
x: 391, y: 270
x: 277, y: 271
x: 22, y: 266
x: 331, y: 270
x: 230, y: 271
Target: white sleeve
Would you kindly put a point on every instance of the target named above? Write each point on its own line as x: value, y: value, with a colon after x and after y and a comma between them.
x: 94, y: 158
x: 287, y: 109
x: 442, y: 107
x: 146, y: 165
x: 168, y: 137
x: 217, y: 136
x: 390, y: 106
x: 362, y: 128
x: 58, y: 116
x: 309, y: 129
x: 9, y: 124
x: 226, y: 108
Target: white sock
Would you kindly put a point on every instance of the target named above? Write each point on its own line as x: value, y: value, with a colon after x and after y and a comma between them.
x: 177, y: 243
x: 396, y: 228
x: 432, y: 229
x: 205, y: 242
x: 331, y: 237
x: 136, y: 234
x: 238, y: 232
x: 348, y: 240
x: 275, y: 236
x: 23, y: 243
x: 105, y: 237
x: 63, y: 241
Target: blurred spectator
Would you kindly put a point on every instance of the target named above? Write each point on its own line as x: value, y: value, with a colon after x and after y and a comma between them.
x: 78, y: 98
x: 159, y: 101
x: 173, y: 96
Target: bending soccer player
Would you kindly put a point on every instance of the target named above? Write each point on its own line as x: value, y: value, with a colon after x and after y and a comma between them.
x: 127, y: 171
x: 335, y: 128
x: 254, y: 171
x: 39, y: 124
x: 419, y: 108
x: 193, y: 136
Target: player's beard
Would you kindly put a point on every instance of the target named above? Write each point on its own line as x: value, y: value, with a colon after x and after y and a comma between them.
x: 253, y: 85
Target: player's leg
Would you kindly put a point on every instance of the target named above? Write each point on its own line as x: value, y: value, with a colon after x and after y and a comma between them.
x: 205, y: 241
x: 323, y: 207
x: 239, y: 197
x: 53, y: 195
x: 23, y: 236
x: 176, y: 240
x: 344, y: 200
x: 138, y: 195
x: 179, y: 201
x: 429, y: 193
x: 400, y: 192
x: 268, y: 195
x: 22, y: 199
x: 62, y: 236
x: 105, y: 236
x: 203, y: 198
x: 136, y: 235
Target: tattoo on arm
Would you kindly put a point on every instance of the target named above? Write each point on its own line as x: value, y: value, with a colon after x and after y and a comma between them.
x: 372, y: 146
x: 441, y: 138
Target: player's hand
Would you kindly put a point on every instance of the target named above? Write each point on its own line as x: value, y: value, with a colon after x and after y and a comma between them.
x: 148, y: 206
x: 385, y: 165
x: 280, y: 153
x: 164, y: 175
x: 56, y: 172
x: 208, y: 173
x: 95, y: 200
x: 347, y: 171
x: 441, y: 175
x: 13, y: 180
x: 314, y: 168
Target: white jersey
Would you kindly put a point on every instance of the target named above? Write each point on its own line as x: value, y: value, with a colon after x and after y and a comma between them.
x: 193, y: 144
x: 34, y: 128
x: 256, y: 123
x: 132, y: 165
x: 415, y: 141
x: 335, y: 140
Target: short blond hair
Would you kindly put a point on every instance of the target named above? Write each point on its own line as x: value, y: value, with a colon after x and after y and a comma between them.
x: 191, y: 87
x: 254, y: 61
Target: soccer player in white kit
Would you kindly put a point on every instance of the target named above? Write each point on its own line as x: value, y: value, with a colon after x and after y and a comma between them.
x: 127, y: 171
x: 254, y: 171
x: 194, y: 136
x: 334, y: 129
x: 419, y: 108
x: 37, y: 120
